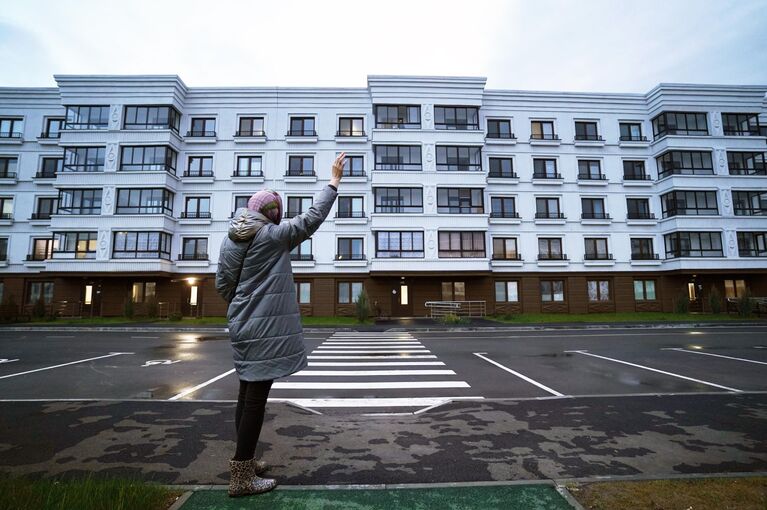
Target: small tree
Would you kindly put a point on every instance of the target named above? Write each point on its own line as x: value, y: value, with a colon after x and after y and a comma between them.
x: 151, y: 308
x: 715, y: 300
x: 745, y: 304
x: 682, y: 304
x: 362, y: 307
x: 8, y: 308
x: 38, y: 308
x: 128, y: 309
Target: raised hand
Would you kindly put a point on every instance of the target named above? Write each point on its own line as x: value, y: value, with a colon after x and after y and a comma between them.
x: 338, y: 169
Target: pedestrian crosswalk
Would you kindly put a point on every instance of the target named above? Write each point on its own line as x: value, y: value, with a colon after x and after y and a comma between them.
x: 372, y: 370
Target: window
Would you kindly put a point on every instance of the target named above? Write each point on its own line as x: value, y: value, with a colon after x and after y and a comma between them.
x: 598, y: 290
x: 199, y: 166
x: 251, y: 126
x: 644, y: 290
x: 639, y: 209
x: 586, y: 131
x: 689, y: 203
x: 542, y: 130
x: 679, y: 123
x: 596, y: 249
x: 42, y: 248
x: 684, y: 163
x: 502, y: 167
x: 499, y: 128
x: 304, y: 292
x: 248, y: 166
x: 460, y: 201
x: 6, y: 208
x: 202, y: 127
x: 734, y: 288
x: 79, y: 201
x: 87, y: 117
x: 397, y: 157
x: 78, y: 245
x: 749, y: 203
x: 593, y: 209
x: 144, y: 201
x: 354, y: 166
x: 141, y: 245
x: 351, y: 126
x: 49, y: 168
x: 453, y: 291
x: 302, y: 252
x: 8, y: 167
x: 461, y: 244
x: 550, y: 248
x: 506, y: 292
x: 752, y: 244
x: 37, y: 291
x: 10, y: 128
x: 634, y: 171
x: 746, y: 163
x: 631, y: 132
x: 300, y: 166
x: 590, y: 169
x: 53, y: 127
x: 46, y: 206
x: 547, y: 208
x: 398, y: 116
x: 156, y: 158
x: 350, y: 207
x: 196, y: 207
x: 142, y: 292
x: 3, y: 256
x: 399, y: 245
x: 398, y: 200
x: 151, y: 117
x: 83, y: 159
x: 545, y: 169
x: 241, y: 201
x: 459, y: 159
x: 456, y: 117
x: 348, y: 292
x: 552, y: 291
x: 302, y: 126
x: 642, y: 249
x: 740, y: 124
x: 350, y: 248
x: 194, y: 248
x: 298, y: 205
x: 505, y: 248
x: 503, y: 207
x: 693, y: 244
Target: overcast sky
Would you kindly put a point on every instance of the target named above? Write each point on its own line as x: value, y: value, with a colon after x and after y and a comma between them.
x: 585, y: 45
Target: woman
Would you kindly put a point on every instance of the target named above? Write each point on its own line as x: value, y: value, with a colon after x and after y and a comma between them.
x: 255, y: 277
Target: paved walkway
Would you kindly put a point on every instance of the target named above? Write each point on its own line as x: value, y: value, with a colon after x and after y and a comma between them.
x: 190, y: 442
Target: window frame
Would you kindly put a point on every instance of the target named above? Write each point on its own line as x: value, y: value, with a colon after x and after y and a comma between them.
x: 163, y: 251
x: 173, y: 123
x: 169, y: 159
x: 74, y: 153
x: 506, y: 294
x: 351, y: 132
x: 670, y: 203
x: 451, y: 200
x: 199, y: 160
x: 416, y: 240
x: 76, y: 112
x: 549, y: 293
x: 465, y: 250
x: 303, y: 120
x: 301, y: 172
x: 501, y: 249
x: 401, y: 193
x: 79, y: 196
x: 408, y: 164
x: 345, y: 248
x: 673, y: 242
x: 403, y: 118
x: 677, y: 163
x: 471, y: 114
x: 661, y: 125
x: 452, y: 158
x: 165, y: 208
x: 250, y: 132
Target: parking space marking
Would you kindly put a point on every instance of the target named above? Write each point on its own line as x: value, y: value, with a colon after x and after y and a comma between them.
x: 643, y: 367
x: 517, y: 374
x: 367, y: 385
x: 679, y: 349
x: 6, y: 360
x: 111, y: 354
x: 58, y: 336
x: 201, y: 385
x: 370, y: 373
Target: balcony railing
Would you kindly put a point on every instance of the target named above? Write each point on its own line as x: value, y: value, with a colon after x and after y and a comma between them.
x: 456, y: 126
x: 300, y: 173
x: 350, y: 214
x: 147, y: 167
x: 10, y: 134
x: 354, y: 173
x: 552, y: 256
x: 8, y: 175
x: 250, y: 133
x: 408, y: 167
x: 549, y: 216
x: 6, y: 216
x: 742, y: 132
x: 247, y: 174
x: 637, y: 177
x: 545, y: 136
x: 45, y: 175
x: 73, y: 254
x: 633, y: 138
x: 200, y: 134
x: 685, y: 171
x: 194, y: 215
x: 459, y: 167
x: 192, y: 256
x: 38, y: 257
x: 501, y: 136
x: 504, y: 214
x: 85, y: 167
x: 645, y: 256
x: 759, y: 170
x: 301, y: 132
x: 349, y: 133
x: 588, y: 138
x: 751, y: 211
x: 640, y: 216
x: 303, y: 257
x: 598, y: 256
x: 41, y: 215
x: 752, y: 253
x: 592, y: 177
x: 595, y: 216
x: 506, y: 256
x: 198, y: 173
x: 350, y: 256
x: 502, y: 175
x: 50, y: 135
x: 547, y: 175
x: 398, y: 125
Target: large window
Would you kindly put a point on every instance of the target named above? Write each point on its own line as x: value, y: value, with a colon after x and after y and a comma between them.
x: 350, y: 248
x: 300, y: 166
x: 196, y: 207
x: 593, y: 209
x: 545, y: 169
x: 199, y: 166
x: 304, y: 292
x: 590, y: 169
x: 351, y: 207
x: 251, y: 126
x: 194, y: 248
x: 634, y: 171
x: 202, y: 127
x: 501, y: 168
x: 453, y: 291
x: 459, y: 159
x: 460, y: 201
x: 746, y: 163
x: 689, y: 203
x: 734, y: 288
x: 397, y: 157
x: 141, y: 245
x: 354, y: 166
x: 398, y: 117
x: 550, y: 248
x: 79, y: 201
x: 42, y: 248
x: 740, y: 124
x: 506, y: 292
x: 302, y: 252
x: 542, y: 130
x: 142, y: 292
x: 547, y: 208
x: 37, y: 291
x: 552, y: 291
x: 456, y: 117
x: 151, y: 117
x: 298, y: 205
x: 83, y: 159
x: 78, y: 245
x: 46, y: 206
x: 587, y: 130
x: 596, y: 249
x: 6, y: 208
x: 248, y: 166
x: 679, y: 123
x: 598, y: 290
x: 752, y: 244
x: 642, y: 249
x: 348, y: 292
x: 144, y: 201
x: 302, y: 126
x: 10, y: 128
x: 52, y: 128
x: 499, y: 128
x: 399, y: 245
x: 461, y: 244
x: 693, y: 244
x: 505, y: 248
x: 644, y: 290
x: 8, y: 167
x: 398, y: 200
x: 503, y: 207
x: 49, y: 168
x: 639, y: 209
x: 684, y: 163
x: 631, y: 132
x: 148, y: 159
x: 87, y: 117
x: 351, y: 126
x: 749, y: 203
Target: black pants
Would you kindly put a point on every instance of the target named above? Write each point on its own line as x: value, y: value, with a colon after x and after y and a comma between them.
x: 251, y: 404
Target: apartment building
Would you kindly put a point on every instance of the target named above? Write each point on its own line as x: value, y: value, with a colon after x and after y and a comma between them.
x: 120, y: 188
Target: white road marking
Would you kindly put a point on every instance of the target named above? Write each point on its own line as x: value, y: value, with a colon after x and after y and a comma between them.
x: 355, y: 351
x: 145, y: 337
x: 202, y: 385
x: 643, y: 367
x: 371, y: 402
x: 6, y: 360
x: 760, y: 347
x: 367, y: 385
x: 375, y: 363
x: 153, y: 362
x: 376, y: 356
x: 679, y: 349
x: 111, y: 354
x: 58, y: 336
x: 373, y: 347
x: 521, y: 376
x: 391, y: 342
x: 370, y: 373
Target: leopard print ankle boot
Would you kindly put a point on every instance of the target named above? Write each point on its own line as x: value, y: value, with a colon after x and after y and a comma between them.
x: 243, y: 480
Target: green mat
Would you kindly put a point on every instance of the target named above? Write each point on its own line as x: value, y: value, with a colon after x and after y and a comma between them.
x: 518, y: 497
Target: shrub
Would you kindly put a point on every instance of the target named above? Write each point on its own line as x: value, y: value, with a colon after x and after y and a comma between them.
x: 8, y: 310
x: 682, y: 304
x: 451, y: 319
x: 745, y: 304
x: 128, y: 309
x: 174, y: 316
x: 38, y: 309
x: 715, y: 300
x: 151, y: 308
x: 362, y: 307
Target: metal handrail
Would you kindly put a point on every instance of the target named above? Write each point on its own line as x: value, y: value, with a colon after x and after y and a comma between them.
x: 459, y: 308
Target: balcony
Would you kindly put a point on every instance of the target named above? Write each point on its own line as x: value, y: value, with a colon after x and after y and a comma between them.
x: 505, y: 214
x: 301, y: 136
x: 637, y: 180
x: 200, y: 136
x: 11, y: 138
x: 41, y: 216
x: 640, y: 216
x: 49, y: 138
x: 645, y: 256
x: 350, y: 135
x: 592, y: 179
x: 751, y: 253
x: 202, y: 175
x: 45, y: 175
x: 252, y: 136
x: 754, y: 211
x: 589, y: 140
x: 598, y: 256
x: 550, y: 218
x: 300, y: 176
x: 193, y: 257
x: 758, y: 171
x: 545, y: 139
x: 510, y: 177
x: 633, y: 141
x: 194, y: 215
x: 8, y: 177
x: 500, y: 138
x: 547, y: 178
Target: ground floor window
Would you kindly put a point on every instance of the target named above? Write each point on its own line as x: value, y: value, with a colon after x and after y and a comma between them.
x: 734, y: 288
x: 348, y: 292
x: 38, y: 290
x: 506, y: 292
x: 644, y: 290
x: 304, y: 292
x: 553, y: 291
x: 143, y: 291
x: 453, y: 291
x: 598, y: 290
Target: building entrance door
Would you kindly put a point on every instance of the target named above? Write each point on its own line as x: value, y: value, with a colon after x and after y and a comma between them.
x: 190, y: 301
x: 401, y: 300
x: 91, y: 300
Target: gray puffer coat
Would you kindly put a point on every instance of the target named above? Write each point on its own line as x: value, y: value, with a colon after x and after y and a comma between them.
x: 255, y: 277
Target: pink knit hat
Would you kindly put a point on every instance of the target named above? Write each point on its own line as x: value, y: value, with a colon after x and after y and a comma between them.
x: 268, y: 203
